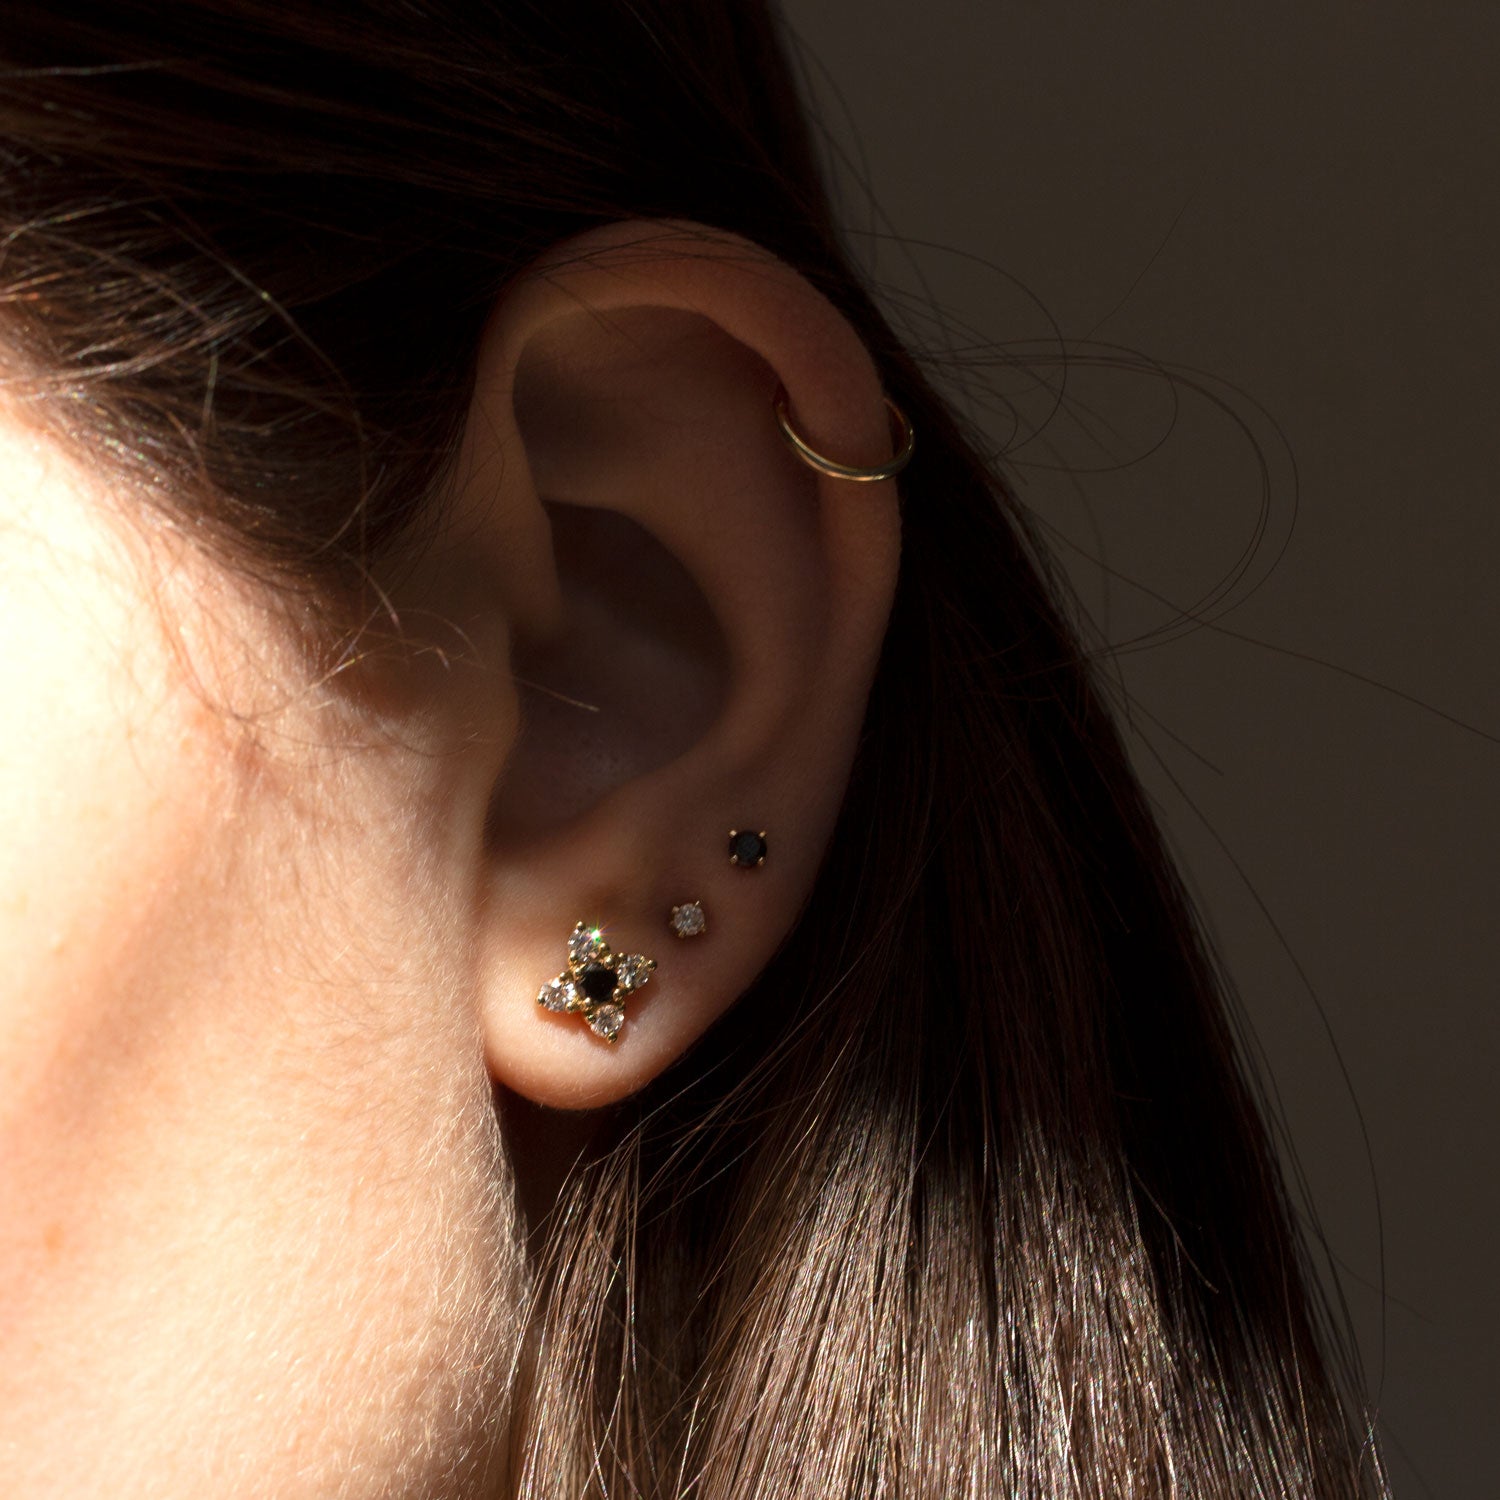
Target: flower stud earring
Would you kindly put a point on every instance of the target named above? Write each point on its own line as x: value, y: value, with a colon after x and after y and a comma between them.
x: 597, y: 982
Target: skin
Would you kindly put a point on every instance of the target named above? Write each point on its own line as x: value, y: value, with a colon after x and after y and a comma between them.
x: 274, y: 1089
x: 243, y: 1126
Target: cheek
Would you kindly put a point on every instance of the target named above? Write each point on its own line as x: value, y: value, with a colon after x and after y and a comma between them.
x: 108, y: 793
x: 230, y: 1188
x: 106, y: 783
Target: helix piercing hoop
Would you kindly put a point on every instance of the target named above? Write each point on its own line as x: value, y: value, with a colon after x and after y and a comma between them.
x: 597, y: 982
x: 901, y: 431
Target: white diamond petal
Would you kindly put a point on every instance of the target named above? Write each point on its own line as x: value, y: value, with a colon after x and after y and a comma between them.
x: 584, y: 944
x: 558, y: 994
x: 632, y: 971
x: 606, y: 1021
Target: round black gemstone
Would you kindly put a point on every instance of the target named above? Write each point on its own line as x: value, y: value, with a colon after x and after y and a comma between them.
x: 597, y: 982
x: 746, y: 849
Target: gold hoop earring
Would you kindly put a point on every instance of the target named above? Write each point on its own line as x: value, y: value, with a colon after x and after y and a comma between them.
x: 901, y: 431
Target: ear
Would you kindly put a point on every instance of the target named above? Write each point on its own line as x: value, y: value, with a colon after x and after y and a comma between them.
x: 694, y: 618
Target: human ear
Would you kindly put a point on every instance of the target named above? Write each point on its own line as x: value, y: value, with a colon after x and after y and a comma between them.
x: 695, y: 616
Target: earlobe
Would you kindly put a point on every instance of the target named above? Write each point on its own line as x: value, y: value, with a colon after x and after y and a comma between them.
x: 694, y: 653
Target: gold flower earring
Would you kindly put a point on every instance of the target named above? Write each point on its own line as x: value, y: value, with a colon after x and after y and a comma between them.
x: 597, y: 982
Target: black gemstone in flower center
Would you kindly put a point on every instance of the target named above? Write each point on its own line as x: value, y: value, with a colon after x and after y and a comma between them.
x: 597, y: 982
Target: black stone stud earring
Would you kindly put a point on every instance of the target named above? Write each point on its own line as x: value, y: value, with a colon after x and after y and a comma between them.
x: 597, y: 982
x: 747, y: 850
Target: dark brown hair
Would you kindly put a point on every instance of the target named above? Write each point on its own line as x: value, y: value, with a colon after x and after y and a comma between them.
x: 969, y: 1196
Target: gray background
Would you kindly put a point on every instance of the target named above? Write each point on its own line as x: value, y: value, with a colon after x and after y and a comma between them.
x: 1299, y: 201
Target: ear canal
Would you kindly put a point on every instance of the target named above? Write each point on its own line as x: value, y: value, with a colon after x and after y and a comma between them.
x: 636, y: 673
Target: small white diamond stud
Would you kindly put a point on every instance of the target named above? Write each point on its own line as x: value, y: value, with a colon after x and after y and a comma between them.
x: 688, y: 920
